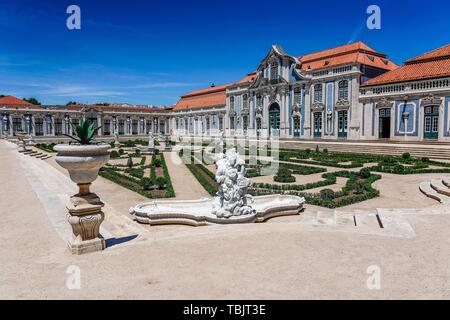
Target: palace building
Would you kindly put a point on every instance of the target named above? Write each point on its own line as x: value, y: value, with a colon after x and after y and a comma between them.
x: 351, y: 92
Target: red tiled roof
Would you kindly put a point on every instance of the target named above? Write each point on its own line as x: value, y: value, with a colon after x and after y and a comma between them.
x: 431, y: 65
x: 210, y: 97
x: 118, y: 108
x: 441, y: 52
x: 357, y: 52
x: 13, y: 102
x: 248, y: 78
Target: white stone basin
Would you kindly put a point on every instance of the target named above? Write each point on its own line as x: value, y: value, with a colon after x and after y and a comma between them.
x: 199, y: 212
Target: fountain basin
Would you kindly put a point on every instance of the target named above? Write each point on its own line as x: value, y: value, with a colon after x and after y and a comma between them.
x: 199, y: 212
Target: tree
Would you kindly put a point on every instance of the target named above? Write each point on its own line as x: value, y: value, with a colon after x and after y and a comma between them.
x: 2, y: 95
x: 32, y: 101
x: 71, y: 103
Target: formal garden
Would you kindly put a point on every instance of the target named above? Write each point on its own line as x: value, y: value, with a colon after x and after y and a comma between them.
x: 359, y: 172
x: 146, y: 174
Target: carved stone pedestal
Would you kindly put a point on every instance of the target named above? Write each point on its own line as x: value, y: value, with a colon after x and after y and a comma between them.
x: 85, y: 217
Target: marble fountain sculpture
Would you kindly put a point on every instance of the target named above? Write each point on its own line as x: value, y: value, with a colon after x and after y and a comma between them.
x: 232, y: 204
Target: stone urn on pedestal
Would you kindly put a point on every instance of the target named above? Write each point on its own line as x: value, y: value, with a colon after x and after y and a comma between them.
x: 83, y: 162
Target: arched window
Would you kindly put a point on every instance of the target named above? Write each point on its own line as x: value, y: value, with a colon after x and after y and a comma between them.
x: 343, y: 90
x: 274, y: 71
x: 318, y: 94
x: 232, y: 102
x: 258, y: 101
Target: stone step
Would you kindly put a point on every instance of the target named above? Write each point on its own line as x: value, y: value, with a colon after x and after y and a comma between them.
x: 46, y: 157
x: 446, y: 182
x: 37, y: 155
x: 426, y: 189
x: 395, y: 223
x: 439, y: 187
x: 41, y: 156
x: 326, y: 218
x: 367, y: 219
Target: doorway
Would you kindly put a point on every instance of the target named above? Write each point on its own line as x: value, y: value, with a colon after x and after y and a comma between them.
x: 431, y: 126
x: 342, y: 124
x: 318, y: 125
x: 274, y: 117
x: 384, y: 123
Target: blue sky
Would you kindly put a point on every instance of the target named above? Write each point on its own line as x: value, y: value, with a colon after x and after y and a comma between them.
x: 151, y: 52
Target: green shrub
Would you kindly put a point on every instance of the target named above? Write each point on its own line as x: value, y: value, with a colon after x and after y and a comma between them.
x: 160, y: 182
x: 327, y: 194
x: 136, y: 172
x: 317, y: 148
x: 121, y: 152
x: 284, y: 176
x: 359, y: 187
x: 114, y: 154
x: 156, y: 151
x: 146, y: 183
x: 157, y: 163
x: 364, y: 173
x: 406, y: 156
x: 325, y: 150
x: 308, y: 151
x: 425, y: 159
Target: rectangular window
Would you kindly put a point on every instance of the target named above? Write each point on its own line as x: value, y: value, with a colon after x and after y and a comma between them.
x: 17, y: 125
x: 58, y: 127
x: 134, y: 127
x: 142, y: 125
x: 39, y: 126
x: 121, y: 126
x: 107, y: 127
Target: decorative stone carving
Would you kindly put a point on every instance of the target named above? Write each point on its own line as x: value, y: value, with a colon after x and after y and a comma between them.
x: 85, y: 208
x: 232, y: 197
x: 317, y: 106
x: 342, y: 104
x: 296, y: 110
x: 231, y: 206
x: 167, y: 143
x: 272, y: 91
x: 116, y: 139
x: 431, y: 100
x: 151, y: 141
x: 384, y: 103
x: 259, y: 111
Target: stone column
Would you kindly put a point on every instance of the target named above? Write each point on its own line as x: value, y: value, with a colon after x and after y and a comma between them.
x: 307, y: 106
x: 11, y: 129
x: 100, y: 124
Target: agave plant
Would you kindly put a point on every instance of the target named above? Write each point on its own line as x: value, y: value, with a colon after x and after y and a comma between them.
x: 85, y: 132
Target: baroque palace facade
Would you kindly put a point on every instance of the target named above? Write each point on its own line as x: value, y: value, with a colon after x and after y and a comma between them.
x: 351, y: 92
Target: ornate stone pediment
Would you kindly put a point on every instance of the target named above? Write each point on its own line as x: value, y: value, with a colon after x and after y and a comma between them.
x: 342, y: 104
x: 317, y: 106
x: 431, y: 100
x: 384, y: 103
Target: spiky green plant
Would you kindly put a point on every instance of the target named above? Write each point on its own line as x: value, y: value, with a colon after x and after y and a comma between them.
x: 84, y: 132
